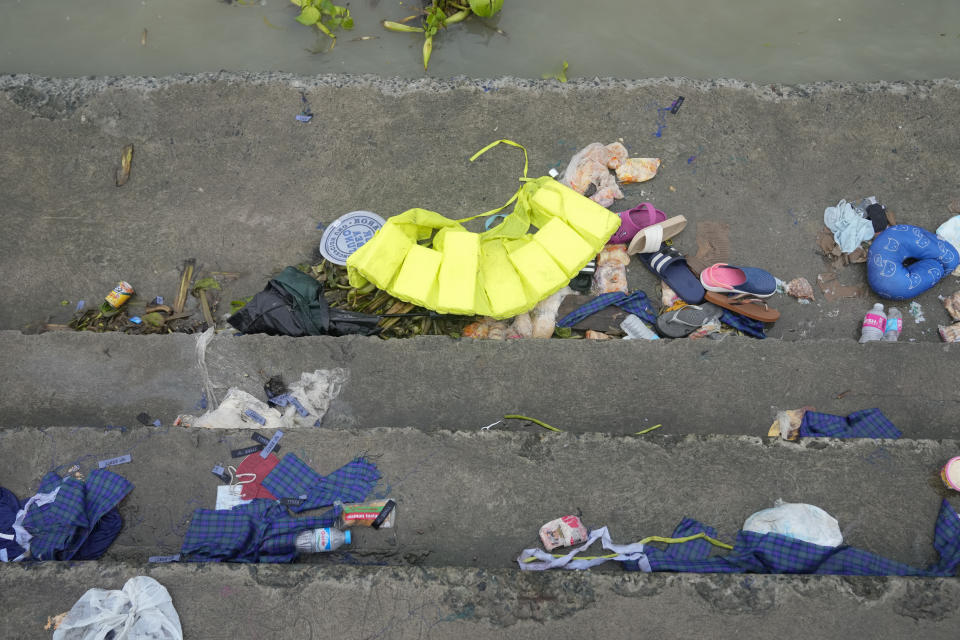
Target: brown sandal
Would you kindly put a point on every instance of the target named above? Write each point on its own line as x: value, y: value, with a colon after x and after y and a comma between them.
x: 745, y: 305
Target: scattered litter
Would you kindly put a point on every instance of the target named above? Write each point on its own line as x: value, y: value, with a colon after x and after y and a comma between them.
x: 832, y: 252
x: 263, y: 531
x: 143, y: 38
x: 200, y: 350
x: 916, y: 311
x: 842, y: 394
x: 675, y: 107
x: 80, y: 305
x: 126, y: 161
x: 563, y: 532
x: 136, y: 319
x: 753, y: 552
x: 142, y: 609
x: 491, y: 425
x: 348, y: 233
x: 798, y: 521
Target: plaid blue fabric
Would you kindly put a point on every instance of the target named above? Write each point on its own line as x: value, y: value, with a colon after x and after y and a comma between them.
x: 635, y: 303
x: 61, y: 527
x: 869, y: 423
x: 259, y: 531
x: 292, y: 478
x: 263, y: 530
x: 741, y: 323
x: 775, y: 553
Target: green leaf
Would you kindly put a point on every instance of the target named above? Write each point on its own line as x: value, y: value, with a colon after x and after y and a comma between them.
x: 236, y: 305
x: 308, y: 16
x: 560, y: 75
x: 205, y: 283
x: 348, y: 22
x: 486, y: 8
x: 326, y: 6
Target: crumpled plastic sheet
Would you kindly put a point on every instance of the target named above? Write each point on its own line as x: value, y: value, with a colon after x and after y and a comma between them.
x: 142, y: 610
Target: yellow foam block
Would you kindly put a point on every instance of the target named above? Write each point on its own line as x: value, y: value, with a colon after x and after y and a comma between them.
x: 595, y: 223
x: 565, y: 246
x: 539, y: 272
x: 501, y: 283
x: 418, y: 275
x: 380, y: 258
x: 458, y: 272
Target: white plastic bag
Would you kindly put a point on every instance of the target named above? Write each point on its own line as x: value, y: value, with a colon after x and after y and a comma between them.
x: 797, y: 520
x: 314, y: 391
x: 143, y: 610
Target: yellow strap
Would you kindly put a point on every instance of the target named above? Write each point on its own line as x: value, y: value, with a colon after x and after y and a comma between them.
x: 517, y: 193
x: 533, y: 420
x: 713, y: 541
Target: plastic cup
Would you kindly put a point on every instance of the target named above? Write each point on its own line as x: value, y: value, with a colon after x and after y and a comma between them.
x: 950, y: 473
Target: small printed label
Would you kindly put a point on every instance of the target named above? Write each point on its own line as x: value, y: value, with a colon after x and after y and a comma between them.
x: 220, y: 472
x: 270, y: 445
x: 873, y: 320
x: 303, y: 118
x: 173, y: 558
x: 239, y: 453
x: 259, y: 419
x: 894, y: 324
x: 292, y: 502
x: 676, y: 105
x: 114, y: 461
x: 264, y: 440
x: 384, y: 513
x: 323, y: 539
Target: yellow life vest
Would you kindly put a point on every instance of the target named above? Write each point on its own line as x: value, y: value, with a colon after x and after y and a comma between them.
x: 431, y: 261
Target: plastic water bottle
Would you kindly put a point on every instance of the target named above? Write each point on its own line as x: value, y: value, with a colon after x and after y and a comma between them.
x: 874, y: 324
x: 637, y: 330
x: 321, y: 540
x: 894, y: 325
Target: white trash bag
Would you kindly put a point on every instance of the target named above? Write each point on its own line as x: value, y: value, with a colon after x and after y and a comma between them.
x: 797, y: 520
x: 143, y: 610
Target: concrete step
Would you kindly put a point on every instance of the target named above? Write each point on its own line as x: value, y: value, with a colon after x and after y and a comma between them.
x: 729, y: 387
x: 233, y: 602
x: 476, y: 499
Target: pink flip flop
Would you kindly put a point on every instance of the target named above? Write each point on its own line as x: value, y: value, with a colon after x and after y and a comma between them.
x: 634, y: 220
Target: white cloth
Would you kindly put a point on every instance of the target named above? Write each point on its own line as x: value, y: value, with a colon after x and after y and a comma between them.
x: 632, y: 551
x: 849, y: 229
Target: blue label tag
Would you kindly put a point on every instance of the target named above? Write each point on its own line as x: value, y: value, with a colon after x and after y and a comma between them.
x: 256, y: 416
x: 173, y: 558
x: 270, y: 445
x: 113, y: 461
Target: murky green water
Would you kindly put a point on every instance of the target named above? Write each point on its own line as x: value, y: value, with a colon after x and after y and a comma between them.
x: 755, y: 40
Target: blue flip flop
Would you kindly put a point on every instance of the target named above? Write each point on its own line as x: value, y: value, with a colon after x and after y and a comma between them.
x: 670, y: 266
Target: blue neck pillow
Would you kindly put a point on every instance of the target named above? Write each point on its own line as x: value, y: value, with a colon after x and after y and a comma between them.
x: 886, y: 273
